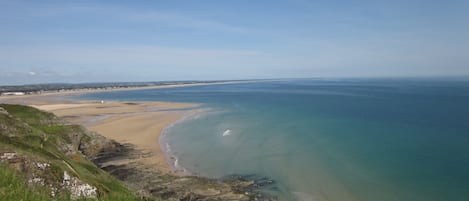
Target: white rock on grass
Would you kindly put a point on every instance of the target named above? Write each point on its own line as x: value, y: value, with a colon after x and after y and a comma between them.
x: 37, y: 180
x: 77, y: 188
x: 8, y: 156
x: 42, y: 166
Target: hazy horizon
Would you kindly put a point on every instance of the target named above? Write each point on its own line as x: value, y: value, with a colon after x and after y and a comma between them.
x: 126, y: 41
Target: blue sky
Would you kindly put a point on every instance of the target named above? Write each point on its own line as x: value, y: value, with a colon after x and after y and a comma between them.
x: 92, y: 41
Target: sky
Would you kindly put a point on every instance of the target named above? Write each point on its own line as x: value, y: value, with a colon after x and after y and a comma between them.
x: 158, y: 40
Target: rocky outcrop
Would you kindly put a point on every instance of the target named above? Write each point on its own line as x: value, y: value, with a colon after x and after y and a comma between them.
x: 77, y: 188
x: 44, y: 152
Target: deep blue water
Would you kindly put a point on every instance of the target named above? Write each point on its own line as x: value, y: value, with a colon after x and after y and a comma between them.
x: 337, y: 140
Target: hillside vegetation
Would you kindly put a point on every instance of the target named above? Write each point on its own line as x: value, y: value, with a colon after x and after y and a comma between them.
x: 43, y: 157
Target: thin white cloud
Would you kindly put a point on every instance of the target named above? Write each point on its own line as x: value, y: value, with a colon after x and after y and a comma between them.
x: 131, y: 63
x: 177, y: 20
x: 111, y: 13
x: 130, y: 55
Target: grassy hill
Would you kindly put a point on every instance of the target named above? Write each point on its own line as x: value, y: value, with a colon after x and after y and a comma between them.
x: 42, y: 157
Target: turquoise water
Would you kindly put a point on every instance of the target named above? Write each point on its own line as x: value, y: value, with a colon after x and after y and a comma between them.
x: 337, y: 140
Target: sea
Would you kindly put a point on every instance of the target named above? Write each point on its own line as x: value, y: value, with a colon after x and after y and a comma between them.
x: 403, y: 139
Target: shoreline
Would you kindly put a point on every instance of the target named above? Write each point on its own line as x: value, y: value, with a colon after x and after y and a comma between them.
x: 148, y: 121
x: 87, y: 91
x: 171, y: 158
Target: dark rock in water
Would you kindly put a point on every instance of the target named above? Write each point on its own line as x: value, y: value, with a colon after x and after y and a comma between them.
x: 251, y: 185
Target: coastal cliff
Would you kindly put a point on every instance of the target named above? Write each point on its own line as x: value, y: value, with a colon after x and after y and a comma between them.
x: 44, y: 157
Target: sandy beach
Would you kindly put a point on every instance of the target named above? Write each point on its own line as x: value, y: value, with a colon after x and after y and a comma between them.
x: 137, y: 123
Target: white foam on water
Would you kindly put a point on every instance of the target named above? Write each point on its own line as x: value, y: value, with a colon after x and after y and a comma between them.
x: 176, y: 162
x: 226, y: 133
x: 171, y: 158
x: 168, y: 148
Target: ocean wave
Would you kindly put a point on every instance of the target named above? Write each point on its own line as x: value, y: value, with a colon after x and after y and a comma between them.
x: 173, y: 161
x: 176, y: 162
x: 171, y: 158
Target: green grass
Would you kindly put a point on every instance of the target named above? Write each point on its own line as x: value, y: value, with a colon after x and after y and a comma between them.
x: 13, y: 187
x: 30, y: 115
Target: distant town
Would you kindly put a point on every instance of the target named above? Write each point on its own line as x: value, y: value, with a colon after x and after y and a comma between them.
x: 20, y: 90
